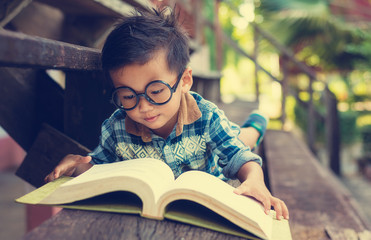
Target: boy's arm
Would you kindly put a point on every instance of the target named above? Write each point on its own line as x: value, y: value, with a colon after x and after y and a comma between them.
x: 252, y: 184
x: 71, y: 165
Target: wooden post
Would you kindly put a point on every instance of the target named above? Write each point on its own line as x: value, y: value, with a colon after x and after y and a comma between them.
x: 311, y: 131
x: 197, y: 15
x: 256, y: 70
x: 10, y: 9
x: 87, y: 105
x: 18, y: 104
x: 284, y: 90
x: 218, y: 44
x: 333, y: 132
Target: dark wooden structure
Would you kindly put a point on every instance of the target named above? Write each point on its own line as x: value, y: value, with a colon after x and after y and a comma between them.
x: 50, y: 121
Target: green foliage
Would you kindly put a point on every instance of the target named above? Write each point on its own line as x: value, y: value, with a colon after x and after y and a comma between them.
x: 348, y: 127
x: 309, y: 27
x: 317, y: 37
x: 362, y: 47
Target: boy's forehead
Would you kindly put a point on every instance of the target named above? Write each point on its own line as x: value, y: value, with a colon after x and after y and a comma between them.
x: 155, y: 69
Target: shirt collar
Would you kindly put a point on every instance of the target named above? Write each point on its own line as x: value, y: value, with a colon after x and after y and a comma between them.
x: 188, y: 113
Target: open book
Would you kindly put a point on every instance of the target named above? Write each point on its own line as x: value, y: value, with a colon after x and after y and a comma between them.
x: 147, y: 186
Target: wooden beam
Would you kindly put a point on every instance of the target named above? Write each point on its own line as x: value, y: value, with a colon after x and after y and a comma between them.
x: 28, y: 98
x: 86, y: 106
x: 18, y: 101
x: 48, y: 149
x: 10, y: 9
x: 21, y: 50
x: 87, y: 7
x: 256, y: 69
x: 106, y: 8
x: 333, y: 137
x: 311, y: 120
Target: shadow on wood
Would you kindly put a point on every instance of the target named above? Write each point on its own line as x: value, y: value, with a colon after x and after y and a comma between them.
x: 48, y: 149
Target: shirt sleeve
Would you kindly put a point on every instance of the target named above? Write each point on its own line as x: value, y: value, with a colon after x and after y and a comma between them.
x: 105, y: 151
x: 225, y: 143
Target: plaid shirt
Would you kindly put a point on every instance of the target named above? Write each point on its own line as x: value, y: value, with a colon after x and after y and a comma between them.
x: 209, y: 144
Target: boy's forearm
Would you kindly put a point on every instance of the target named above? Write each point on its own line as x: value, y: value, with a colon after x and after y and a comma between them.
x: 250, y: 170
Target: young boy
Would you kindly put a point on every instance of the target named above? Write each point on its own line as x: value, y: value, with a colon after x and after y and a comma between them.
x: 145, y: 57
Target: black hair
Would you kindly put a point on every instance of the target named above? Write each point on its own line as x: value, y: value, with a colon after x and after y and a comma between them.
x: 137, y: 38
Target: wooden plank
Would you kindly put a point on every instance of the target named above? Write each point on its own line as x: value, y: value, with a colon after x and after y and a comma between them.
x: 48, y: 149
x: 316, y: 199
x: 21, y: 50
x: 28, y: 98
x: 87, y: 105
x: 102, y: 8
x: 89, y: 31
x: 77, y: 224
x: 17, y: 104
x: 10, y: 8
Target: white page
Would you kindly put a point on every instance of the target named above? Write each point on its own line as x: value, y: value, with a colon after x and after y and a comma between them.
x: 153, y: 171
x: 223, y: 192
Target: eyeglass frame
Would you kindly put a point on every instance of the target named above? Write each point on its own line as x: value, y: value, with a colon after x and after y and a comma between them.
x: 144, y: 94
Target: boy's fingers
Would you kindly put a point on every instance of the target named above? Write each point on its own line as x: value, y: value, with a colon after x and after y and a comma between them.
x: 281, y: 209
x: 285, y: 211
x: 48, y: 178
x: 238, y: 191
x: 267, y: 205
x: 277, y: 207
x: 261, y: 197
x: 58, y: 171
x: 67, y: 166
x: 85, y: 159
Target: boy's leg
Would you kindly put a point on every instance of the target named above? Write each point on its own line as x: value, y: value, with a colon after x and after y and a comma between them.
x: 253, y: 130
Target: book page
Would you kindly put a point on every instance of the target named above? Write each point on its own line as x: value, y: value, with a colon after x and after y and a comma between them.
x: 153, y: 172
x: 193, y: 213
x: 221, y: 192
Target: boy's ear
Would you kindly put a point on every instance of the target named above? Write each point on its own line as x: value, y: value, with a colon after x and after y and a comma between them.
x: 187, y: 80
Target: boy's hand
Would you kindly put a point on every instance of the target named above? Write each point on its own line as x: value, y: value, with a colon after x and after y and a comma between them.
x: 253, y: 185
x: 70, y: 165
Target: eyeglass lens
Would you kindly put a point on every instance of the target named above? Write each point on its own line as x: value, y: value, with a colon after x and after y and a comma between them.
x: 156, y: 93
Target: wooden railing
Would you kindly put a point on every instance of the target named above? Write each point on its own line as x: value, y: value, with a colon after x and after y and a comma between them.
x: 331, y: 117
x: 76, y: 111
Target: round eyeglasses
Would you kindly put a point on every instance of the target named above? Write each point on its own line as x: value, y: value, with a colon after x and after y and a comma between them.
x: 156, y: 92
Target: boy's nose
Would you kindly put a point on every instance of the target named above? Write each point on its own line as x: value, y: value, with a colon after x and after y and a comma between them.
x: 144, y: 105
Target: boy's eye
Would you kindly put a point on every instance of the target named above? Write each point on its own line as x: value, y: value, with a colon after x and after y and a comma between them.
x: 158, y: 91
x: 128, y: 97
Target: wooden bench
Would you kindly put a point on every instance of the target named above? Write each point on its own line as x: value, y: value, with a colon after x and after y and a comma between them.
x: 320, y: 206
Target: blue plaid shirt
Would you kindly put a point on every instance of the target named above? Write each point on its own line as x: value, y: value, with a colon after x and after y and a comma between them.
x: 208, y: 144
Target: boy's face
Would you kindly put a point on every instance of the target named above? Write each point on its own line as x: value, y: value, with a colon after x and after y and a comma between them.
x: 160, y: 118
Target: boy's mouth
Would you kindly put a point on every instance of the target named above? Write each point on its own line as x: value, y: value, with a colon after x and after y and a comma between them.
x: 151, y: 119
